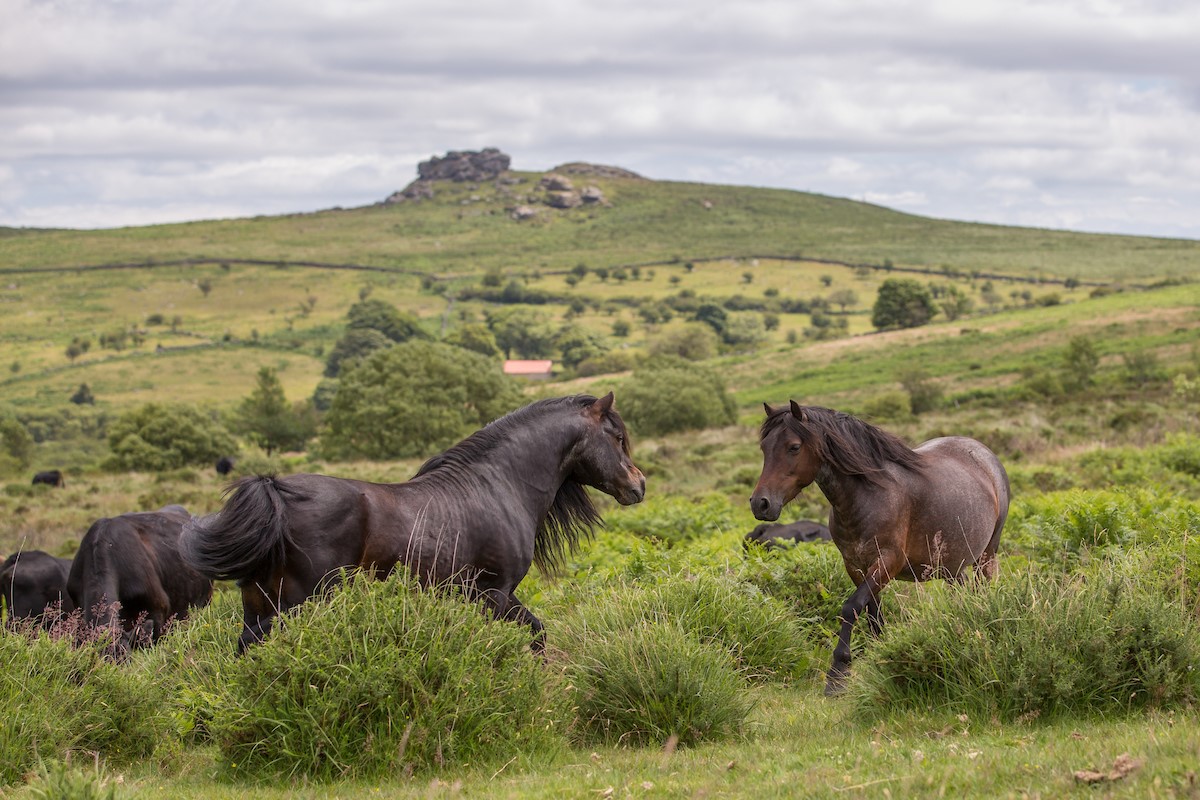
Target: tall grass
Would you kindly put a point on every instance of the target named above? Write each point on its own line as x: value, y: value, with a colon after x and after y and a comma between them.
x: 56, y: 698
x: 1031, y: 646
x: 384, y: 679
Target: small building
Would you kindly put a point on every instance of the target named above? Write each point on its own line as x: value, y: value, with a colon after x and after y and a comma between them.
x: 534, y: 370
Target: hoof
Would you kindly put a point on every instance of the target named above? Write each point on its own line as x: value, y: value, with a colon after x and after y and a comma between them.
x: 835, y: 684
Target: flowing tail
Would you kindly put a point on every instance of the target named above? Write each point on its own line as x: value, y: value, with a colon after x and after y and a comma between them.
x: 246, y: 538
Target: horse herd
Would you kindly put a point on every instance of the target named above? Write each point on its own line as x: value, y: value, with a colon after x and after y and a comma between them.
x: 509, y: 496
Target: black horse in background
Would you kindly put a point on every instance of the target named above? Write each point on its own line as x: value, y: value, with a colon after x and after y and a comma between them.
x: 510, y: 495
x: 128, y: 577
x: 34, y: 586
x: 773, y: 535
x: 49, y: 477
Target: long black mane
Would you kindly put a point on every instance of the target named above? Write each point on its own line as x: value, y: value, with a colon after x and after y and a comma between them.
x: 572, y: 515
x: 846, y: 443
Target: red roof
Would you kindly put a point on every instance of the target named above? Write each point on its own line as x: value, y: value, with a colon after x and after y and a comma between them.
x: 518, y: 367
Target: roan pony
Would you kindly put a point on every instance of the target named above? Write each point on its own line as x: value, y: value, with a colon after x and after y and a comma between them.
x: 478, y: 515
x: 897, y: 512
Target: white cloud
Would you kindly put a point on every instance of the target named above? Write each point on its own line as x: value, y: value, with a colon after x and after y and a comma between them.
x: 999, y: 110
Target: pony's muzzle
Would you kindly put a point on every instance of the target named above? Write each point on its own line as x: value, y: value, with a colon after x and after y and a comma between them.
x: 635, y: 492
x: 765, y: 508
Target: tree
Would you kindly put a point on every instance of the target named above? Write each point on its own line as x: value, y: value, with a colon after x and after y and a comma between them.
x: 522, y: 331
x: 693, y: 341
x: 83, y: 396
x: 476, y: 337
x: 669, y: 395
x: 17, y: 441
x: 415, y: 399
x: 712, y: 315
x: 923, y: 394
x: 161, y: 436
x: 1079, y: 364
x: 576, y: 344
x: 902, y: 303
x: 955, y: 303
x: 384, y: 317
x: 354, y: 344
x: 744, y: 330
x: 844, y: 298
x: 266, y: 418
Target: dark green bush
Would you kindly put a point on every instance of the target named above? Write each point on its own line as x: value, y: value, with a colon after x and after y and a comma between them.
x: 56, y: 698
x: 414, y: 399
x: 642, y: 685
x: 668, y: 395
x: 383, y: 678
x: 162, y: 436
x: 1034, y: 646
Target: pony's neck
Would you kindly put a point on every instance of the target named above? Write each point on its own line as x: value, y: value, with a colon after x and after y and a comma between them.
x: 530, y: 467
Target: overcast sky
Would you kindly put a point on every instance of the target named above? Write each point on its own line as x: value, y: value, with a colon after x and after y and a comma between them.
x: 1081, y: 114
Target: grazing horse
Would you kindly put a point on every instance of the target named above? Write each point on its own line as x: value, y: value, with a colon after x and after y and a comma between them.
x: 224, y: 465
x: 50, y: 477
x: 128, y: 576
x: 34, y: 586
x: 478, y: 515
x: 897, y: 512
x: 772, y: 535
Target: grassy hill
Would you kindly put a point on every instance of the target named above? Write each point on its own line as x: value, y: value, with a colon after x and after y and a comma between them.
x: 214, y: 301
x: 468, y: 228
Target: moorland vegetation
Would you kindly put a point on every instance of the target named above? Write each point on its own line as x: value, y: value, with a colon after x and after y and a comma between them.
x: 677, y: 663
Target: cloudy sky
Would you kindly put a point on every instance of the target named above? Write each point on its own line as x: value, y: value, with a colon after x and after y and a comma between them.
x: 1081, y: 114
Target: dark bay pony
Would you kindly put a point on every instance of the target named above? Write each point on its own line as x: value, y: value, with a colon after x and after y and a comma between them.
x: 128, y: 576
x: 897, y: 512
x: 33, y: 585
x: 510, y: 495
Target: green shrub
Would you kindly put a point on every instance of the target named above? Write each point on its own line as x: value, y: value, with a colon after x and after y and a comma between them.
x: 414, y: 399
x: 668, y: 395
x: 642, y: 685
x: 60, y: 780
x: 381, y: 679
x: 810, y: 578
x: 56, y: 698
x: 760, y: 634
x: 889, y: 406
x: 192, y: 660
x: 162, y: 436
x: 1043, y: 646
x: 672, y: 519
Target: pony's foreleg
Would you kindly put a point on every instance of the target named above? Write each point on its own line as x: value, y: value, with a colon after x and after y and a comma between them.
x: 864, y: 598
x: 509, y: 608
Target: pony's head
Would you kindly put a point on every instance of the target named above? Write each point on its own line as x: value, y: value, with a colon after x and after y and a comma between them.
x: 791, y: 460
x: 601, y: 456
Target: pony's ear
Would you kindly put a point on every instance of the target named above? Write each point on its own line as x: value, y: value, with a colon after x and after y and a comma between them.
x: 603, y: 405
x: 798, y: 412
x: 767, y: 408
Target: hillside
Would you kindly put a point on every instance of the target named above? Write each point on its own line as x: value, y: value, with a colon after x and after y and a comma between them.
x: 468, y: 228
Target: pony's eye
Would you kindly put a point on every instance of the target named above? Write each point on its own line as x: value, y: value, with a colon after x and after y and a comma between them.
x: 794, y: 448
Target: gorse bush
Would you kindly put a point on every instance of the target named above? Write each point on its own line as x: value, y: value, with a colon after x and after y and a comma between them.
x: 382, y: 679
x: 642, y: 685
x: 809, y: 577
x: 1034, y: 646
x: 673, y: 519
x: 760, y: 634
x: 1066, y: 529
x: 56, y: 698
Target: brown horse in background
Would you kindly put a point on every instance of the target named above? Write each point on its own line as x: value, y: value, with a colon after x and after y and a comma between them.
x: 897, y: 512
x: 510, y: 495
